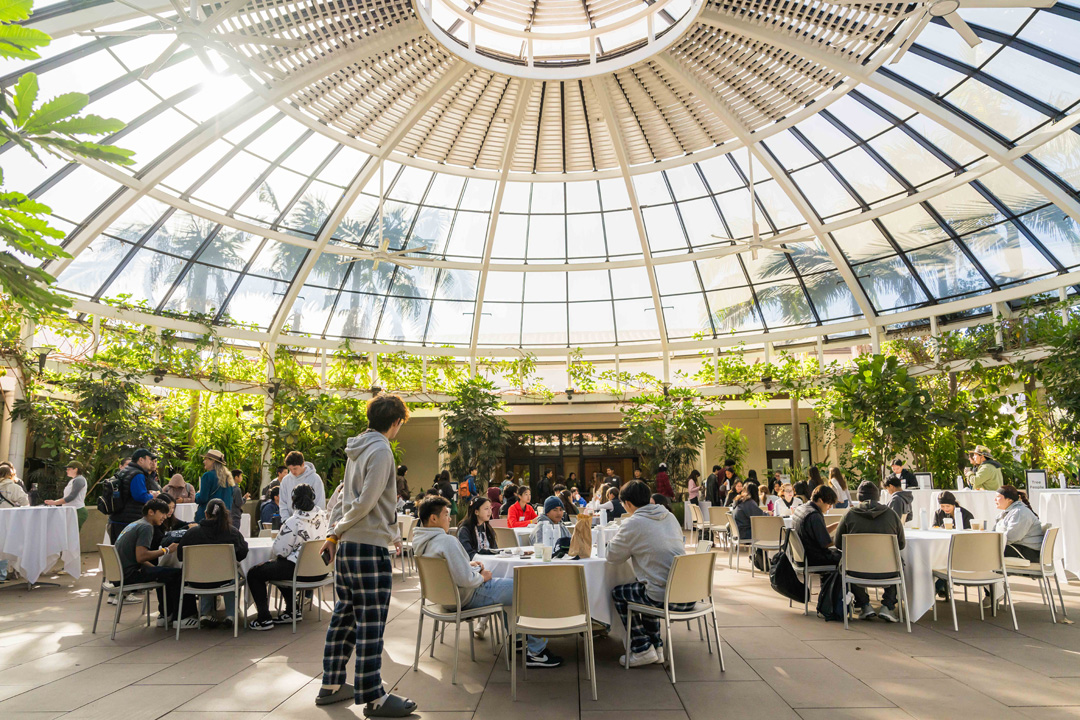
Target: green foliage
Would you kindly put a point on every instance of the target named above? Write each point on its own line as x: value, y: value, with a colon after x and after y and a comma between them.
x: 731, y: 444
x: 882, y: 406
x: 476, y: 431
x: 666, y: 428
x: 56, y: 127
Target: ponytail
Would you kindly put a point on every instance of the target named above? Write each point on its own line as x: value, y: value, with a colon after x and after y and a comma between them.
x: 218, y: 514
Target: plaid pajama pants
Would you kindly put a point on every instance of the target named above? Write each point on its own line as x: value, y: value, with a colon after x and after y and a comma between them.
x: 645, y: 630
x: 362, y: 585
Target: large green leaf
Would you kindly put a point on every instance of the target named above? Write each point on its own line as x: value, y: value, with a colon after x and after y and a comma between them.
x: 15, y: 10
x: 59, y: 108
x: 105, y: 153
x: 88, y: 125
x: 19, y: 42
x: 26, y: 91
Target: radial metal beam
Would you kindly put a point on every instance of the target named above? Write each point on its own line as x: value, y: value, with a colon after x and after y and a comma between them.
x: 718, y: 106
x: 426, y: 101
x: 217, y: 126
x: 602, y: 92
x: 867, y: 74
x: 521, y: 102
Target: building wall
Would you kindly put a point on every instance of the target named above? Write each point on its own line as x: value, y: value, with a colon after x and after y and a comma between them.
x: 752, y: 424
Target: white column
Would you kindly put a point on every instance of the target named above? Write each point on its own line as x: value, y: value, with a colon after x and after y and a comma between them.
x: 268, y: 417
x: 999, y: 334
x: 935, y: 335
x: 875, y: 339
x: 444, y: 459
x: 820, y: 352
x: 1063, y: 297
x: 16, y: 453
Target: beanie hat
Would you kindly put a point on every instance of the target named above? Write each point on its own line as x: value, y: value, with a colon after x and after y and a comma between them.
x: 551, y: 503
x: 868, y: 491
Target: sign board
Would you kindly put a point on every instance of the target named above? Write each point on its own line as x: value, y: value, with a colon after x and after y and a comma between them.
x: 926, y: 480
x: 1036, y: 480
x: 785, y: 478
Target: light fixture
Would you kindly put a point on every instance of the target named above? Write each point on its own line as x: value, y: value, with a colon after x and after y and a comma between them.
x: 569, y: 394
x: 42, y: 352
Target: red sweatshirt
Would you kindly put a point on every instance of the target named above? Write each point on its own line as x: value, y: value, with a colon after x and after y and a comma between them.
x: 518, y: 517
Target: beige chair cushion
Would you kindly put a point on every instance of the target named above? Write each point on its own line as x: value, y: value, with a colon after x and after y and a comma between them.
x: 541, y: 624
x: 969, y: 577
x: 1014, y: 562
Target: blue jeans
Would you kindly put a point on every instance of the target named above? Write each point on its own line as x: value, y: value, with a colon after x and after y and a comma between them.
x: 207, y: 604
x: 500, y: 591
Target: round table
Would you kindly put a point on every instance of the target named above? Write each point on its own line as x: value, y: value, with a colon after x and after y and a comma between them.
x: 601, y: 577
x: 260, y: 550
x: 1061, y: 508
x: 185, y: 512
x: 32, y: 539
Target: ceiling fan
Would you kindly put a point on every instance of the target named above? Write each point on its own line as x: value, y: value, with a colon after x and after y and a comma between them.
x: 756, y: 243
x: 192, y: 27
x: 947, y: 10
x: 383, y: 253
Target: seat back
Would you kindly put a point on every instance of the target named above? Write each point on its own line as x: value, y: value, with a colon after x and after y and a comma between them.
x: 835, y: 515
x: 795, y: 546
x: 871, y: 553
x: 505, y: 537
x: 704, y: 546
x: 691, y: 578
x: 977, y: 552
x: 1046, y: 554
x: 719, y: 516
x: 550, y: 591
x: 766, y: 528
x: 110, y: 564
x: 695, y: 514
x: 209, y: 563
x: 310, y: 562
x: 408, y: 524
x: 436, y: 584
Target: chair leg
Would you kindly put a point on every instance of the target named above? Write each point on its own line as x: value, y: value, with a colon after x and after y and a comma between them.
x: 434, y: 632
x: 1057, y: 582
x: 708, y: 640
x: 716, y: 635
x: 1012, y: 610
x: 179, y: 613
x: 419, y: 639
x: 670, y: 650
x: 511, y: 641
x: 843, y: 601
x: 982, y: 613
x: 146, y: 606
x: 753, y: 565
x: 590, y: 660
x: 472, y: 642
x: 100, y: 597
x: 700, y: 632
x: 1049, y: 594
x: 116, y: 615
x: 626, y: 640
x: 457, y: 645
x: 952, y: 602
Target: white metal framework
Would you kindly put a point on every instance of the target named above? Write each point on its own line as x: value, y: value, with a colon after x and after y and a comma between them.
x: 571, y: 169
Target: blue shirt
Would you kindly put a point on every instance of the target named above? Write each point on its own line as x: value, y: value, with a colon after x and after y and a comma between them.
x: 270, y: 511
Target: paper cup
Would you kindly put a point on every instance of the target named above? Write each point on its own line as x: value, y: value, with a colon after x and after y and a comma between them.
x: 948, y: 523
x: 547, y: 553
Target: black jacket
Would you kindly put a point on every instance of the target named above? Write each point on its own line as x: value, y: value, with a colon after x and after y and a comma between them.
x: 544, y: 489
x: 130, y: 508
x: 205, y: 534
x: 466, y: 535
x: 809, y: 524
x: 907, y: 475
x: 870, y: 517
x: 965, y: 514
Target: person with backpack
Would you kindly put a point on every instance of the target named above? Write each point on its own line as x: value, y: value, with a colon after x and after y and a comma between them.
x: 467, y: 487
x: 870, y: 516
x: 125, y: 494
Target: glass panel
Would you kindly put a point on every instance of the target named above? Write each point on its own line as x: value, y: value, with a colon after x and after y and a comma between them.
x: 946, y: 271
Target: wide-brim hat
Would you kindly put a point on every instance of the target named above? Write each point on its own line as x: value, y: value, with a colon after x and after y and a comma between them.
x: 980, y: 450
x: 215, y: 455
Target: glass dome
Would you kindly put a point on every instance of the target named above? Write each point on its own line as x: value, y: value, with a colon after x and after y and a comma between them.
x: 748, y: 183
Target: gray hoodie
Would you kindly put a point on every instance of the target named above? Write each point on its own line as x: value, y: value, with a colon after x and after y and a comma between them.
x: 434, y: 542
x: 901, y: 502
x: 369, y: 492
x: 651, y: 539
x: 289, y: 483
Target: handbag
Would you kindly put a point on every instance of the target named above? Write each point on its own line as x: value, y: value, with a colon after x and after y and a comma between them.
x: 784, y: 579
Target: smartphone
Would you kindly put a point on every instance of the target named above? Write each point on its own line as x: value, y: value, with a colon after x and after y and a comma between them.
x: 326, y: 556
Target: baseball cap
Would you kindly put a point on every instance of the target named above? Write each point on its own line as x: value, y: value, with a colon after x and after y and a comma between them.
x: 141, y: 453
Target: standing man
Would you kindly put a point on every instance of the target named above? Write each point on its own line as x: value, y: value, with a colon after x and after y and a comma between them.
x: 712, y: 487
x: 545, y: 488
x: 133, y: 492
x: 300, y: 472
x: 987, y: 470
x: 363, y: 572
x: 610, y: 478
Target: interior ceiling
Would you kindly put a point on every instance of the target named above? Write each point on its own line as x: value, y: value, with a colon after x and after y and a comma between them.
x: 556, y: 211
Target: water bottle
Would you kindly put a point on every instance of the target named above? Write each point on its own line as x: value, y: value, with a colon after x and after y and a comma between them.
x: 603, y: 517
x: 601, y: 542
x: 924, y: 521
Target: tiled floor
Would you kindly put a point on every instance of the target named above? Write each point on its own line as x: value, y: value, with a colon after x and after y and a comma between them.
x: 780, y: 664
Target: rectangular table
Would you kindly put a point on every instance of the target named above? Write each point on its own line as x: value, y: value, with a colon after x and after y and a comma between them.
x: 32, y: 539
x: 1061, y: 508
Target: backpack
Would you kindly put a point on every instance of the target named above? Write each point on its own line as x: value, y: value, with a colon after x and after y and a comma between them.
x: 831, y: 598
x: 784, y: 580
x: 109, y: 501
x: 463, y: 489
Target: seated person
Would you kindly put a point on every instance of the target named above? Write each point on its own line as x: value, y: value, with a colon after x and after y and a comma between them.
x: 271, y: 509
x: 905, y: 475
x: 549, y: 528
x: 568, y: 503
x: 662, y: 500
x: 870, y: 516
x: 808, y: 522
x: 11, y: 492
x: 900, y: 500
x: 496, y: 503
x: 475, y: 533
x: 137, y: 561
x: 170, y: 524
x: 477, y: 587
x: 949, y: 508
x: 612, y: 504
x: 521, y: 513
x: 786, y: 502
x: 745, y: 507
x: 735, y: 491
x: 1021, y: 526
x: 180, y: 490
x: 802, y: 490
x: 650, y: 538
x: 308, y: 522
x: 215, y: 529
x: 575, y: 495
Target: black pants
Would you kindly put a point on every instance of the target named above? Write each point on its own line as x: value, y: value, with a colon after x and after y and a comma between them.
x: 277, y: 569
x: 171, y: 578
x: 1022, y: 551
x: 862, y: 598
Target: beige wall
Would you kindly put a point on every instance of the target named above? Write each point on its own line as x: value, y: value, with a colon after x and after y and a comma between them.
x: 752, y: 424
x: 419, y: 442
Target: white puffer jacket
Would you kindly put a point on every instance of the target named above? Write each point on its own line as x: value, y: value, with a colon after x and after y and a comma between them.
x: 300, y: 527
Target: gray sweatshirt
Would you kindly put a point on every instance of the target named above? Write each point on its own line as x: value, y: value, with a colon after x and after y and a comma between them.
x: 369, y: 494
x: 434, y: 542
x: 651, y: 539
x: 1021, y: 526
x: 289, y: 483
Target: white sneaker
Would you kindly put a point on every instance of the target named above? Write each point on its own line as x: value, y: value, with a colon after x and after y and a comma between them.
x: 160, y: 622
x: 132, y: 598
x: 887, y: 614
x: 480, y: 631
x: 186, y: 624
x: 659, y: 655
x: 638, y: 659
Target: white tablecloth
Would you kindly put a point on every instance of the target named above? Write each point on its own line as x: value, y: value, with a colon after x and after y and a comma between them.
x: 924, y: 551
x: 979, y: 503
x: 34, y: 538
x: 1061, y: 508
x: 601, y: 578
x: 260, y: 550
x: 185, y: 512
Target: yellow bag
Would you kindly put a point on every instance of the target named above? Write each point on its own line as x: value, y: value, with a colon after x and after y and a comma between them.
x: 581, y: 541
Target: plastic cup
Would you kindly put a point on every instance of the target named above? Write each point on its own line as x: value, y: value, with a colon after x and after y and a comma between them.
x: 538, y: 550
x: 948, y: 523
x: 547, y: 553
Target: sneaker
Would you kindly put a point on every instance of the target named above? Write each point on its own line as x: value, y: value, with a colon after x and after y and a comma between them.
x: 887, y: 614
x: 187, y: 623
x: 987, y: 603
x: 132, y: 599
x: 481, y: 629
x: 229, y: 621
x: 112, y: 599
x: 647, y: 657
x: 866, y: 612
x: 285, y: 617
x: 544, y: 660
x: 261, y: 625
x: 659, y: 654
x: 206, y: 622
x: 162, y: 622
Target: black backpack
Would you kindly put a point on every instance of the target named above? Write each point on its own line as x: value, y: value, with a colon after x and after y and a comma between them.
x: 831, y: 598
x: 784, y: 580
x: 109, y: 501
